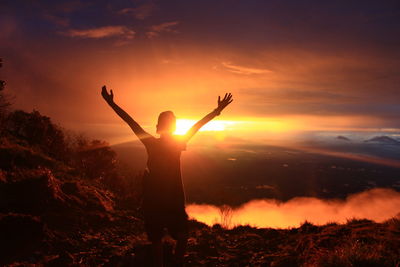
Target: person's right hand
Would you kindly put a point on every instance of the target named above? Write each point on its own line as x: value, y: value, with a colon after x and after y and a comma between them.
x: 108, y: 97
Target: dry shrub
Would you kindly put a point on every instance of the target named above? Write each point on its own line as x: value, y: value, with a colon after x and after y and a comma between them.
x: 356, y: 253
x: 226, y: 213
x: 393, y: 224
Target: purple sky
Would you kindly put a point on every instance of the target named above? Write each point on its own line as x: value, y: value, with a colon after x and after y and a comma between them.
x: 336, y: 62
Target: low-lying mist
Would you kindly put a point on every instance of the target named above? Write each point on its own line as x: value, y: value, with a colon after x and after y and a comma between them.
x: 377, y: 204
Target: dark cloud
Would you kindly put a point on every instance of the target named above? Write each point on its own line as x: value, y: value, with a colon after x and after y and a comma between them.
x: 140, y: 12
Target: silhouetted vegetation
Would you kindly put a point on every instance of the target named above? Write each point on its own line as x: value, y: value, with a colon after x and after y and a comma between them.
x: 4, y: 103
x: 93, y: 159
x: 36, y: 131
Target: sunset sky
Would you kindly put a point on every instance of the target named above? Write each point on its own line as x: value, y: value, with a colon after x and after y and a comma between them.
x: 290, y: 65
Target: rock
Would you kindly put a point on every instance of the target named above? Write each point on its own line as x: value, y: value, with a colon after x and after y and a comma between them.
x: 20, y: 235
x: 16, y: 156
x: 31, y: 192
x: 64, y: 259
x: 3, y: 179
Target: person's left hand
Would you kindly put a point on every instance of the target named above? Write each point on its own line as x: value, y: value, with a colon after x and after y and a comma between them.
x: 224, y: 102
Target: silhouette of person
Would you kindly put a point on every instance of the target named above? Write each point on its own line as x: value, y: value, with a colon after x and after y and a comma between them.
x: 163, y: 193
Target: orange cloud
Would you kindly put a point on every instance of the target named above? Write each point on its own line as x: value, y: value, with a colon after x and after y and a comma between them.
x: 377, y: 204
x: 102, y: 32
x: 244, y: 70
x: 155, y: 30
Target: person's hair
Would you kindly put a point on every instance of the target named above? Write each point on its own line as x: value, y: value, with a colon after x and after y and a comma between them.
x: 166, y: 122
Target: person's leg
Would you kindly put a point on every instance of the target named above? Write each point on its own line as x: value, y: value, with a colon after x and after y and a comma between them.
x: 157, y: 248
x: 181, y: 245
x: 154, y: 230
x: 178, y: 229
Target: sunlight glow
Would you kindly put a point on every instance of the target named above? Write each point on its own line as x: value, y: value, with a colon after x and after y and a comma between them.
x: 378, y: 204
x: 277, y: 128
x: 183, y: 125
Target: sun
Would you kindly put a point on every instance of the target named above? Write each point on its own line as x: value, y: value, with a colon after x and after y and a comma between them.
x: 183, y: 125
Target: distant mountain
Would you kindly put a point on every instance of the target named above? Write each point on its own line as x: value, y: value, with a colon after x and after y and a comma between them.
x: 343, y: 138
x: 383, y: 139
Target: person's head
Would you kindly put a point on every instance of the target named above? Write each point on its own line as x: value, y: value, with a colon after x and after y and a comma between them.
x: 166, y: 123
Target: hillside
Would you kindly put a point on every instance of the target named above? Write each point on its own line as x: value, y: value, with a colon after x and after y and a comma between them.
x: 59, y: 207
x: 78, y: 226
x: 384, y: 140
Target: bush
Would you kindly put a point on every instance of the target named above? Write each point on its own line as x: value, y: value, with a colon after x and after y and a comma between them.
x: 4, y: 103
x: 94, y: 159
x: 37, y: 131
x: 226, y: 213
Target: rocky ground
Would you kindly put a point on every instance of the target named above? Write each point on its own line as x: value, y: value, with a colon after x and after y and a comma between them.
x: 30, y: 242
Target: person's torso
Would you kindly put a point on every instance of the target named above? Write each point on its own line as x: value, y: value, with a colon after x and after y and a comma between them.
x: 163, y: 183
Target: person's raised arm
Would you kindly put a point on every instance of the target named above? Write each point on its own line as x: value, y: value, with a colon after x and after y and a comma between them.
x: 136, y: 128
x: 221, y: 105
